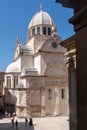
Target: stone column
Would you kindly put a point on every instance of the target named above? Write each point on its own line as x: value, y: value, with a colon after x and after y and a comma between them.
x: 72, y: 93
x: 43, y: 103
x: 80, y: 26
x: 79, y: 20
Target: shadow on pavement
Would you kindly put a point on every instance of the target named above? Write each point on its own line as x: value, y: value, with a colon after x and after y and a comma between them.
x: 21, y: 126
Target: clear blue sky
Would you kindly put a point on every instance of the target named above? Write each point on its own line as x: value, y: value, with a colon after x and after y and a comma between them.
x: 15, y: 16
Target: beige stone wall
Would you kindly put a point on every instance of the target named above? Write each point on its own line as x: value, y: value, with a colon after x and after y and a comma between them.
x: 27, y: 61
x: 41, y: 93
x: 54, y: 64
x: 21, y: 111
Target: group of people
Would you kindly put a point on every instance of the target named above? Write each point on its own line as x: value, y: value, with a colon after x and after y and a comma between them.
x: 15, y: 122
x: 30, y: 121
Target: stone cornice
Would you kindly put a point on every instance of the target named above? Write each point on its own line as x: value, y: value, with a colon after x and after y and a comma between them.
x: 67, y: 3
x: 80, y: 19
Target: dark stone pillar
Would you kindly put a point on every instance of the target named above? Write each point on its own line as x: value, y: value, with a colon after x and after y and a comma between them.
x: 80, y: 26
x: 72, y: 93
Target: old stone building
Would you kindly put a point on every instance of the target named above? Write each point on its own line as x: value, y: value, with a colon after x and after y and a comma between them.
x: 70, y: 44
x: 78, y: 108
x: 36, y: 83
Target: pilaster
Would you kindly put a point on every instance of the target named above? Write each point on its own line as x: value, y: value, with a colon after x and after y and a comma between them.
x: 80, y: 26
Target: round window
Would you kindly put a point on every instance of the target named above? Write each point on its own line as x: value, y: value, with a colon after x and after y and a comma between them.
x: 54, y: 45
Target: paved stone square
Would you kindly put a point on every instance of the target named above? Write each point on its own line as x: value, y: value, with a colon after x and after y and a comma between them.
x: 40, y: 123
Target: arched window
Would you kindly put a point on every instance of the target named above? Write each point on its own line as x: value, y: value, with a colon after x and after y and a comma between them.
x: 38, y: 30
x: 44, y: 30
x: 49, y: 94
x: 33, y: 31
x: 15, y: 81
x: 62, y: 93
x: 8, y: 82
x: 49, y: 31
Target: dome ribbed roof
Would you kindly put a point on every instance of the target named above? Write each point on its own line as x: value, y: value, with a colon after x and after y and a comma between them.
x: 40, y: 18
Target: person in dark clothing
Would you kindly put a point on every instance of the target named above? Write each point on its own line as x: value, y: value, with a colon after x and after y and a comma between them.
x: 16, y: 124
x: 31, y: 121
x: 26, y: 121
x: 12, y: 122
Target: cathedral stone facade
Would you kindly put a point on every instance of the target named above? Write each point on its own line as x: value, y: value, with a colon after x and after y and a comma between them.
x: 36, y: 83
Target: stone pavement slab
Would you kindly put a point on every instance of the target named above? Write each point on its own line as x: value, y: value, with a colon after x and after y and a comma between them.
x: 40, y: 123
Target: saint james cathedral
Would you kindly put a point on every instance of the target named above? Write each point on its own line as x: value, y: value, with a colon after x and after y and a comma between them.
x: 36, y: 82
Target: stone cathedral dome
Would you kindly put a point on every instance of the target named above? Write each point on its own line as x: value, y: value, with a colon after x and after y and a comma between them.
x: 13, y: 67
x: 41, y: 24
x: 40, y: 18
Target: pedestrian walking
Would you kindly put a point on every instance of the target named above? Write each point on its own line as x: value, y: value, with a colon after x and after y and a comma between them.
x: 16, y: 124
x: 6, y: 114
x: 12, y: 122
x: 26, y: 121
x: 9, y: 115
x: 30, y: 121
